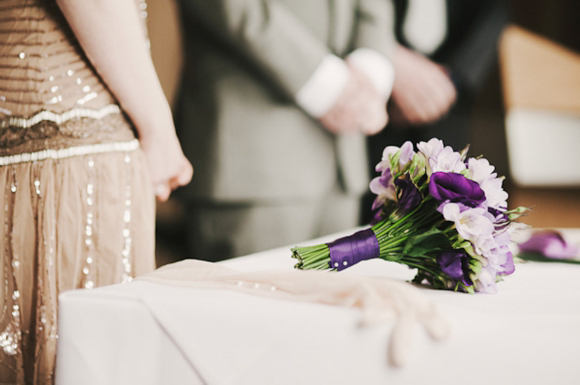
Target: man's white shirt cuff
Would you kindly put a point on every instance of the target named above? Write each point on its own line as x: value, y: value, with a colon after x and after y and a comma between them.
x: 327, y: 83
x: 376, y: 67
x: 324, y: 86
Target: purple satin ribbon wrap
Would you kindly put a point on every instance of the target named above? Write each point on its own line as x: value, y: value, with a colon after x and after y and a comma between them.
x: 346, y: 251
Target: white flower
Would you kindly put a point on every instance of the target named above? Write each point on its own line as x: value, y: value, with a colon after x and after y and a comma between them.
x: 407, y: 153
x: 519, y: 232
x: 480, y: 170
x: 389, y: 150
x: 485, y: 245
x: 447, y: 161
x: 385, y: 163
x: 432, y: 148
x: 494, y: 252
x: 485, y: 281
x: 405, y: 156
x: 495, y: 195
x: 472, y: 224
x: 502, y: 239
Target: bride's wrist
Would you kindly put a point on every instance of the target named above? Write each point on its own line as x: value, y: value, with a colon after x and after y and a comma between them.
x: 154, y: 125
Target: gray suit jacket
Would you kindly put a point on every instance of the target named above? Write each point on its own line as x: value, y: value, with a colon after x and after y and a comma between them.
x: 237, y: 119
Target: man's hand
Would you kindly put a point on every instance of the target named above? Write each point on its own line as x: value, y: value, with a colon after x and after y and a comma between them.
x: 422, y: 92
x: 360, y: 108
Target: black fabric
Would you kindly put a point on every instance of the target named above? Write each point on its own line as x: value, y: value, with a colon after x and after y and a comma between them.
x: 469, y: 51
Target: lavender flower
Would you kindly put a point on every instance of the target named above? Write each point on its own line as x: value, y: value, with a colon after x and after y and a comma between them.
x: 550, y: 244
x: 507, y: 263
x: 384, y: 187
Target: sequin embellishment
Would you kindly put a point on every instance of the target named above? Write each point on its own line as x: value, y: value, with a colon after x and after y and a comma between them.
x: 70, y: 152
x: 88, y: 270
x: 11, y: 336
x: 12, y: 121
x: 127, y: 240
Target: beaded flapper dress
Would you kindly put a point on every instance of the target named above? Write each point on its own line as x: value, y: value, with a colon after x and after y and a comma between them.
x: 77, y: 207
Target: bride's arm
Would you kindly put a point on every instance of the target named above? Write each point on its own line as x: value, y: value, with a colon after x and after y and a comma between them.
x: 110, y: 33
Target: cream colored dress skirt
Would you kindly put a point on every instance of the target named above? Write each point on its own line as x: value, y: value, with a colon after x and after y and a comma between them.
x: 71, y: 223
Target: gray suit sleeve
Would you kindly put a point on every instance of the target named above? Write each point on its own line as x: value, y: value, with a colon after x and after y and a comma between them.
x: 266, y: 33
x: 375, y: 26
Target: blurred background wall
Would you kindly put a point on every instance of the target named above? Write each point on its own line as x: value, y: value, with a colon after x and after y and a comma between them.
x: 557, y: 20
x: 166, y: 43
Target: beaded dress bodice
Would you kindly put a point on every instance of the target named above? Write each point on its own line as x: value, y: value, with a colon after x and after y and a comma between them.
x: 51, y: 97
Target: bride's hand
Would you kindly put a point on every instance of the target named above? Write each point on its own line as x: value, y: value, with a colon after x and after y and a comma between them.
x: 111, y: 34
x: 168, y: 167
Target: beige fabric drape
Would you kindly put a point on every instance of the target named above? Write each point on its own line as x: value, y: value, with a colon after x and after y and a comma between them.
x: 380, y: 299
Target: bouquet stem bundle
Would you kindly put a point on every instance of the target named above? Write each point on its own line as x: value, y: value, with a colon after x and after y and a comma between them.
x: 395, y: 237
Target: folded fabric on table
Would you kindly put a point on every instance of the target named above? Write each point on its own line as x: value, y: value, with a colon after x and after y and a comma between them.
x: 380, y: 299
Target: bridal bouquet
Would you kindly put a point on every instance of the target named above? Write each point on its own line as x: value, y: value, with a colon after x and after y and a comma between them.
x: 435, y: 211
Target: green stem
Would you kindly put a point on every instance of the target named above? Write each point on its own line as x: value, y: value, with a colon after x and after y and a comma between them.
x: 391, y: 233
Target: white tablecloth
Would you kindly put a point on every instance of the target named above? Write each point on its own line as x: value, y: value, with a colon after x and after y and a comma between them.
x: 147, y: 333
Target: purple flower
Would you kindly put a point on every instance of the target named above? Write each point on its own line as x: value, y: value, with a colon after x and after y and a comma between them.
x: 410, y: 196
x: 452, y: 187
x: 385, y: 178
x: 551, y: 244
x: 379, y: 216
x: 501, y: 220
x: 384, y: 187
x: 455, y: 264
x: 508, y: 265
